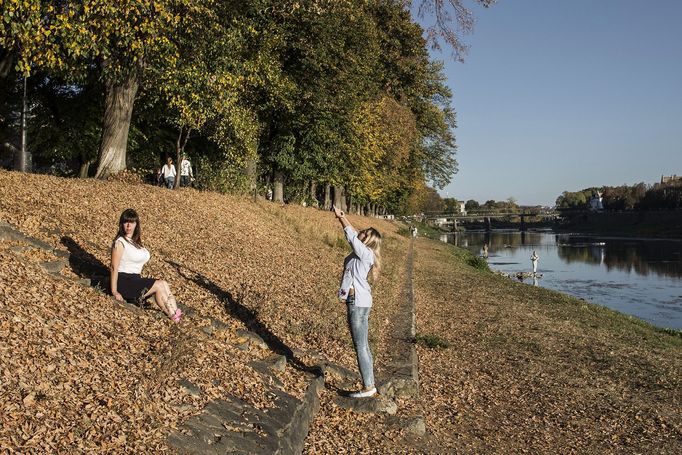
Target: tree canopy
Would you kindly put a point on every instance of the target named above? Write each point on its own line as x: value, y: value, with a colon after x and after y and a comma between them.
x: 312, y: 93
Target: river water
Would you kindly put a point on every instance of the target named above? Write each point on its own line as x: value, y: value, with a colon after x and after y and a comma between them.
x: 640, y: 277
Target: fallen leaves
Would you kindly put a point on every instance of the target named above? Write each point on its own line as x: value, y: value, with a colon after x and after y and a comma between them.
x: 81, y: 373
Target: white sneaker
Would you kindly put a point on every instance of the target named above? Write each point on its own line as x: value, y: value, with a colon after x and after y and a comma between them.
x: 364, y: 393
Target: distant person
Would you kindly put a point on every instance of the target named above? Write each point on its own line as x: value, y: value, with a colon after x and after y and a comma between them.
x: 414, y: 231
x: 485, y: 250
x: 268, y: 195
x: 356, y: 292
x: 168, y: 171
x: 534, y: 260
x: 186, y: 176
x: 128, y: 256
x: 159, y: 177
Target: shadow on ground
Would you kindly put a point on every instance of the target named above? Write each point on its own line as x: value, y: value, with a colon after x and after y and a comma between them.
x: 247, y: 316
x: 85, y: 265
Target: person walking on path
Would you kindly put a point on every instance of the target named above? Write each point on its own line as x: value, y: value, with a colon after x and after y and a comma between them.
x: 186, y: 176
x: 169, y: 173
x: 356, y: 292
x: 534, y: 260
x: 128, y: 256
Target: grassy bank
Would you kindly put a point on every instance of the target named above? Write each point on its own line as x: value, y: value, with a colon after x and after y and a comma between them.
x: 532, y: 369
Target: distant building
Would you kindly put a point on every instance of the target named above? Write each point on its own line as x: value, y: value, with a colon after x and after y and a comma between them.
x: 595, y: 202
x: 386, y: 217
x: 672, y: 180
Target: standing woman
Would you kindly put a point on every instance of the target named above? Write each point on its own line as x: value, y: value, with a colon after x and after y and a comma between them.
x: 169, y: 173
x: 128, y: 256
x: 357, y: 293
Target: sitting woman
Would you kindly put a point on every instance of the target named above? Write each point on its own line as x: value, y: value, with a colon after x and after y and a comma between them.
x: 128, y: 256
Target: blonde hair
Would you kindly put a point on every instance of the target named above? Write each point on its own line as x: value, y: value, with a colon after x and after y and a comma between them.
x: 373, y: 242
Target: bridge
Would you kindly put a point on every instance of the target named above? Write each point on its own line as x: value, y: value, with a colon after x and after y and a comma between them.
x: 486, y: 216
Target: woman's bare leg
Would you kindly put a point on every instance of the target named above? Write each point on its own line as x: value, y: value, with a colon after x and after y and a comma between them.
x: 171, y: 304
x: 160, y: 292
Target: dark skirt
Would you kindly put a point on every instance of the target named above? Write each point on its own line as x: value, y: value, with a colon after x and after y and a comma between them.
x: 132, y: 286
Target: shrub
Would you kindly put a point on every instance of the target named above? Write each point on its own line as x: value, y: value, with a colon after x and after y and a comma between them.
x: 405, y: 232
x: 478, y: 263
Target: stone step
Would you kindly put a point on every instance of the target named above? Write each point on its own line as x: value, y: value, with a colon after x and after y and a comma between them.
x: 374, y: 405
x: 234, y: 426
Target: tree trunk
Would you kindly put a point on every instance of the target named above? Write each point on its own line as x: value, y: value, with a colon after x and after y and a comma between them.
x: 85, y: 169
x: 339, y: 197
x: 327, y: 196
x: 118, y: 111
x: 6, y: 62
x: 251, y: 172
x: 179, y: 151
x: 278, y: 195
x: 21, y: 164
x: 313, y: 194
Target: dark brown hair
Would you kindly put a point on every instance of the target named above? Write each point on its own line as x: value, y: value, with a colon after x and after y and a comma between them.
x: 127, y: 216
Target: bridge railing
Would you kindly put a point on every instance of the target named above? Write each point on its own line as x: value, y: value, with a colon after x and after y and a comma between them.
x: 491, y: 213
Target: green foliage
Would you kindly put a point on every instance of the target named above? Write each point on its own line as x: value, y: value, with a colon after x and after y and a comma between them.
x: 575, y: 200
x: 478, y: 263
x: 471, y: 204
x: 626, y: 197
x: 333, y: 92
x: 223, y: 177
x: 404, y: 231
x: 431, y: 341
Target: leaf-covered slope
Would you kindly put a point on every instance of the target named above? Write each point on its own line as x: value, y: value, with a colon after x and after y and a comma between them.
x: 79, y: 370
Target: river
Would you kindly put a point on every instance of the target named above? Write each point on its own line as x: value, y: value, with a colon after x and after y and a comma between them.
x: 640, y: 277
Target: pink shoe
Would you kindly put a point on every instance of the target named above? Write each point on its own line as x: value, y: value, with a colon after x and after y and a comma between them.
x: 176, y: 317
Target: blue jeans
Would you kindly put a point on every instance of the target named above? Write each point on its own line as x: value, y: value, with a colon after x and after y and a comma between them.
x: 358, y: 322
x: 169, y: 182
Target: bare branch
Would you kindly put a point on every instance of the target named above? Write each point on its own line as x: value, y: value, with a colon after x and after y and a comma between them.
x: 452, y: 20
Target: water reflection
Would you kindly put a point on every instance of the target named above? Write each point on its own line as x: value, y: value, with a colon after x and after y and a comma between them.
x: 639, y: 277
x: 642, y: 257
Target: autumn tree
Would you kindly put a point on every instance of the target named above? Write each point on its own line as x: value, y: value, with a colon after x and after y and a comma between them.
x: 123, y: 40
x: 329, y: 55
x: 225, y: 55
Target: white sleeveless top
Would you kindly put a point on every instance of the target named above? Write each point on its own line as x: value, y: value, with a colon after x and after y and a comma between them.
x: 133, y: 258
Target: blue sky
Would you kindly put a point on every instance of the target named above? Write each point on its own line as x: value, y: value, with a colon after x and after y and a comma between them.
x: 559, y: 95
